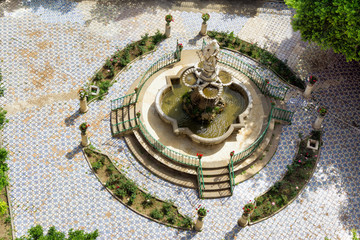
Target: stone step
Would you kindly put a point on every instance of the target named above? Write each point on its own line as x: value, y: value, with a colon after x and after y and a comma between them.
x: 217, y: 186
x: 217, y: 179
x: 243, y: 165
x: 217, y: 194
x: 162, y: 159
x: 157, y: 168
x: 215, y: 171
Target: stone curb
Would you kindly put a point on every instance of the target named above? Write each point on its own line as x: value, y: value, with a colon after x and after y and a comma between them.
x: 119, y: 200
x: 279, y: 210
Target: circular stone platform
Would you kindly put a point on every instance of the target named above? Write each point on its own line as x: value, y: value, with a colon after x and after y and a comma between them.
x: 163, y: 132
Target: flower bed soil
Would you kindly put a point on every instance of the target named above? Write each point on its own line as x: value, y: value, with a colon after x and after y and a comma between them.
x: 119, y: 60
x: 139, y: 203
x: 283, y: 192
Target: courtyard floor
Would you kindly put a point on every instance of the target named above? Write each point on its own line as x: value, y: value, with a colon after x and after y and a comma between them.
x: 49, y: 49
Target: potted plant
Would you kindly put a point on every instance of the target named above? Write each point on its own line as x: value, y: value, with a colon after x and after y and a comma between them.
x: 309, y: 87
x: 248, y: 210
x: 83, y: 127
x: 83, y: 100
x: 202, y: 212
x: 168, y: 18
x: 84, y: 138
x: 322, y: 112
x: 205, y: 17
x: 199, y: 155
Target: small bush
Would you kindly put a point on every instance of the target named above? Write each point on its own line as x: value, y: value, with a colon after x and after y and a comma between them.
x: 171, y: 218
x: 158, y: 37
x: 149, y: 200
x: 144, y: 39
x: 156, y: 214
x: 3, y: 207
x: 142, y: 50
x: 110, y: 168
x: 132, y: 199
x: 7, y: 220
x: 186, y: 222
x: 99, y: 76
x: 121, y: 193
x: 130, y: 187
x: 96, y: 165
x: 166, y: 207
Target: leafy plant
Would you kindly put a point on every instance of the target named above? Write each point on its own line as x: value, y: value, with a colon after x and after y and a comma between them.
x: 171, y: 218
x: 7, y: 220
x: 166, y: 207
x: 205, y: 17
x: 132, y: 199
x: 37, y: 232
x: 98, y: 76
x: 144, y: 39
x: 149, y: 200
x: 186, y: 222
x: 156, y: 214
x: 158, y: 37
x: 3, y: 207
x: 3, y: 119
x: 130, y: 187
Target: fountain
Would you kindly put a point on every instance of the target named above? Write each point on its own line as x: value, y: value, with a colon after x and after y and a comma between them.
x: 203, y: 101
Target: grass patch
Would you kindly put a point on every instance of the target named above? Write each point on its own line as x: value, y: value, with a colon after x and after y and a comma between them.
x: 263, y: 56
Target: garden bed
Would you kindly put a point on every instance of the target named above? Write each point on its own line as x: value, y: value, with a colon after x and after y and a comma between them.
x: 264, y: 57
x: 128, y: 193
x: 283, y: 192
x: 119, y: 60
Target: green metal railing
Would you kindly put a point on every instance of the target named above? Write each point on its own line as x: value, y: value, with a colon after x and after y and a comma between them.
x: 282, y: 114
x: 123, y: 101
x: 157, y: 66
x: 173, y: 155
x: 250, y: 72
x: 127, y: 126
x: 200, y: 179
x: 249, y: 150
x: 231, y: 175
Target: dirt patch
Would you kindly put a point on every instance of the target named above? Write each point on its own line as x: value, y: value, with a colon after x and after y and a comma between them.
x: 5, y: 224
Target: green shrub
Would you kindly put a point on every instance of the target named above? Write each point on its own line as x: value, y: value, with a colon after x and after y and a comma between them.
x: 130, y: 187
x: 132, y: 199
x: 37, y: 232
x: 156, y: 214
x: 98, y: 76
x: 96, y: 165
x: 166, y: 207
x: 186, y: 222
x: 104, y: 87
x: 110, y: 168
x: 3, y: 207
x: 3, y: 119
x: 149, y: 200
x: 7, y: 220
x: 171, y: 218
x: 158, y: 37
x: 142, y: 50
x: 120, y: 192
x: 144, y: 39
x: 151, y: 47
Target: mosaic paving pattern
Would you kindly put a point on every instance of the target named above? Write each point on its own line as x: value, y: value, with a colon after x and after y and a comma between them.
x: 49, y: 47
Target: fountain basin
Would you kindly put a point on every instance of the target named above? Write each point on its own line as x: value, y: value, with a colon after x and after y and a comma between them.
x: 178, y: 127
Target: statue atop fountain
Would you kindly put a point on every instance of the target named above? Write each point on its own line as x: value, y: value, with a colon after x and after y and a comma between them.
x: 204, y: 102
x: 210, y: 71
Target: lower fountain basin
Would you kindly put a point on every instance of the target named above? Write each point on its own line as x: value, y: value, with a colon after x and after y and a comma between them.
x: 168, y: 106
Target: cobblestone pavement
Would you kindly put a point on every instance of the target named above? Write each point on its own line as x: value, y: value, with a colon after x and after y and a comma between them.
x: 49, y: 49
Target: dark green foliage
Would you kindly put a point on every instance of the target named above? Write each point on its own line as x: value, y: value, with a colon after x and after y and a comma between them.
x: 104, y: 87
x: 315, y: 135
x: 330, y: 24
x: 121, y: 193
x: 144, y: 39
x: 187, y: 222
x: 3, y: 119
x: 130, y: 187
x: 158, y: 37
x: 96, y: 166
x: 156, y: 214
x: 149, y: 200
x: 166, y: 207
x: 110, y: 168
x: 171, y: 218
x: 132, y: 199
x: 99, y: 76
x: 37, y: 232
x: 142, y: 49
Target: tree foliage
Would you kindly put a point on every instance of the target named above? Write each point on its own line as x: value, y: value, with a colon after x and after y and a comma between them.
x: 37, y: 233
x: 329, y: 23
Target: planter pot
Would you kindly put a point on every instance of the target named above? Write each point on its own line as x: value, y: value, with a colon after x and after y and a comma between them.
x: 203, y: 29
x: 199, y: 225
x: 167, y: 30
x: 318, y: 122
x: 243, y: 220
x: 308, y: 90
x: 313, y: 144
x: 84, y: 140
x: 83, y: 105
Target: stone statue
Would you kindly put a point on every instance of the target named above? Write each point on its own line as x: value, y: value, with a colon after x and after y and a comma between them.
x: 209, y: 72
